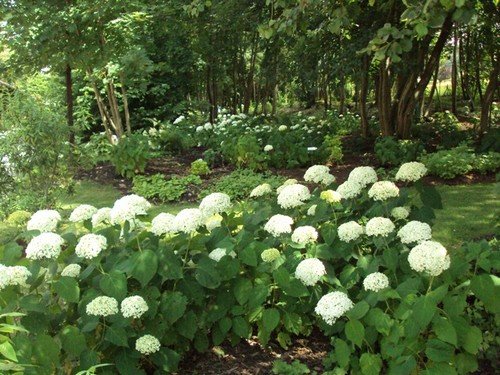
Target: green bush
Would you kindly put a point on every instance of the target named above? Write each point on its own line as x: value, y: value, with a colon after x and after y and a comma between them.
x: 18, y: 218
x: 245, y: 153
x: 486, y: 163
x: 131, y: 154
x: 200, y: 168
x: 158, y: 188
x: 332, y: 147
x: 442, y: 130
x: 240, y: 183
x: 390, y: 151
x: 169, y: 139
x: 97, y: 149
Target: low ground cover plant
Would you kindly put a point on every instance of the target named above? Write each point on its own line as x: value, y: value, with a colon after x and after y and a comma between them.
x: 358, y: 262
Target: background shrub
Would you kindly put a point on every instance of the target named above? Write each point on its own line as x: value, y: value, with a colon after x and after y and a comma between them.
x: 131, y: 154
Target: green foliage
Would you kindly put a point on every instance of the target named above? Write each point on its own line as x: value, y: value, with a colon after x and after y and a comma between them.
x: 159, y: 188
x: 9, y: 362
x: 245, y: 153
x: 130, y: 155
x: 200, y: 168
x: 332, y: 146
x: 95, y: 150
x: 168, y: 138
x: 295, y: 368
x: 390, y: 151
x: 241, y: 182
x: 18, y: 218
x: 442, y: 130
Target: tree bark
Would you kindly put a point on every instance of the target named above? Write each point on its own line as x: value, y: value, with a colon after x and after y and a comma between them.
x: 489, y: 95
x: 454, y: 80
x: 125, y: 104
x: 363, y: 94
x: 69, y: 105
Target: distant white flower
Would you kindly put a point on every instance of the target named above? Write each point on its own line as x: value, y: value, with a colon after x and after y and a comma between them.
x: 319, y: 174
x: 215, y: 203
x: 128, y: 207
x: 213, y: 222
x: 278, y: 225
x: 46, y: 245
x: 268, y: 148
x: 350, y: 231
x: 363, y: 176
x: 102, y: 306
x: 282, y: 128
x: 309, y: 271
x: 332, y: 306
x: 293, y: 196
x: 82, y: 213
x: 188, y: 220
x: 163, y: 223
x: 134, y: 307
x: 261, y: 190
x: 410, y: 172
x: 305, y: 235
x: 429, y: 257
x: 270, y: 255
x: 312, y: 148
x: 379, y: 226
x: 147, y: 345
x: 331, y: 196
x: 219, y: 253
x: 383, y: 190
x: 199, y: 129
x: 102, y: 215
x: 71, y: 270
x: 400, y: 213
x: 312, y: 210
x: 376, y: 281
x: 208, y: 126
x: 178, y: 119
x: 44, y: 221
x: 349, y: 189
x: 288, y: 182
x: 415, y: 231
x: 90, y: 245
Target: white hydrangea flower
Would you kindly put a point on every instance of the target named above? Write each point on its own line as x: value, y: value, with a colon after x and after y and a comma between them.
x: 349, y: 189
x: 376, y: 281
x: 305, y: 235
x: 309, y: 271
x: 331, y: 196
x: 71, y: 270
x: 429, y: 257
x: 199, y: 129
x: 215, y: 203
x: 415, y: 231
x: 288, y: 182
x: 188, y: 220
x: 259, y: 191
x: 13, y: 275
x: 102, y: 215
x: 219, y: 253
x: 44, y: 221
x: 208, y: 126
x: 411, y: 172
x: 379, y: 226
x: 213, y: 222
x: 319, y: 174
x: 163, y: 223
x: 312, y: 210
x: 46, y: 245
x: 90, y: 245
x: 278, y: 225
x: 293, y: 196
x: 179, y: 119
x: 147, y: 345
x: 282, y: 128
x: 270, y: 255
x: 134, y: 307
x: 363, y: 176
x: 400, y: 213
x: 128, y: 207
x: 350, y: 231
x: 82, y: 213
x: 383, y: 190
x: 102, y: 306
x: 332, y: 306
x: 268, y: 148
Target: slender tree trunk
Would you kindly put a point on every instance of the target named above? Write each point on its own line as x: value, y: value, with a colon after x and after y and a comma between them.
x: 454, y: 80
x: 69, y: 105
x: 383, y: 93
x: 363, y: 94
x: 115, y: 109
x: 431, y: 94
x: 489, y: 95
x: 125, y: 104
x: 342, y: 94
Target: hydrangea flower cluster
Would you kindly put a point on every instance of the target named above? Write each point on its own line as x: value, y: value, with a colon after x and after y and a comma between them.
x: 71, y: 270
x: 102, y: 306
x: 291, y: 181
x: 215, y: 203
x: 376, y: 281
x: 349, y: 189
x: 350, y: 231
x: 415, y: 231
x: 305, y: 235
x: 219, y: 253
x: 363, y: 176
x: 411, y: 172
x: 268, y: 148
x: 319, y: 174
x: 261, y: 190
x: 383, y: 190
x: 213, y: 222
x: 147, y: 345
x: 278, y: 225
x: 128, y: 207
x: 188, y: 220
x: 311, y: 211
x: 400, y: 213
x: 270, y: 255
x: 309, y: 271
x: 13, y: 276
x: 90, y: 245
x: 46, y: 245
x: 293, y: 196
x: 163, y: 223
x: 429, y: 257
x: 331, y: 196
x: 332, y: 306
x: 134, y: 307
x: 102, y: 215
x: 379, y: 226
x: 82, y: 213
x: 44, y: 221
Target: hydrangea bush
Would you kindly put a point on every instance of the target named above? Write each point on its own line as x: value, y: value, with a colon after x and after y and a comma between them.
x: 122, y: 288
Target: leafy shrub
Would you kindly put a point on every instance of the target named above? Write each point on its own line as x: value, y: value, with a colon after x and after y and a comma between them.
x: 18, y: 218
x: 245, y: 153
x: 390, y: 151
x: 442, y: 130
x: 200, y: 168
x: 158, y: 188
x: 486, y: 163
x: 240, y: 183
x: 8, y: 357
x: 97, y: 149
x: 332, y: 147
x: 295, y: 368
x: 131, y: 154
x: 169, y: 138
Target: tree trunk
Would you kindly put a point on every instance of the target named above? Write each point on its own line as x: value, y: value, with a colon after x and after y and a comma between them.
x: 383, y: 94
x: 363, y: 94
x: 454, y: 80
x: 69, y: 106
x: 489, y: 95
x: 125, y: 104
x: 431, y: 94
